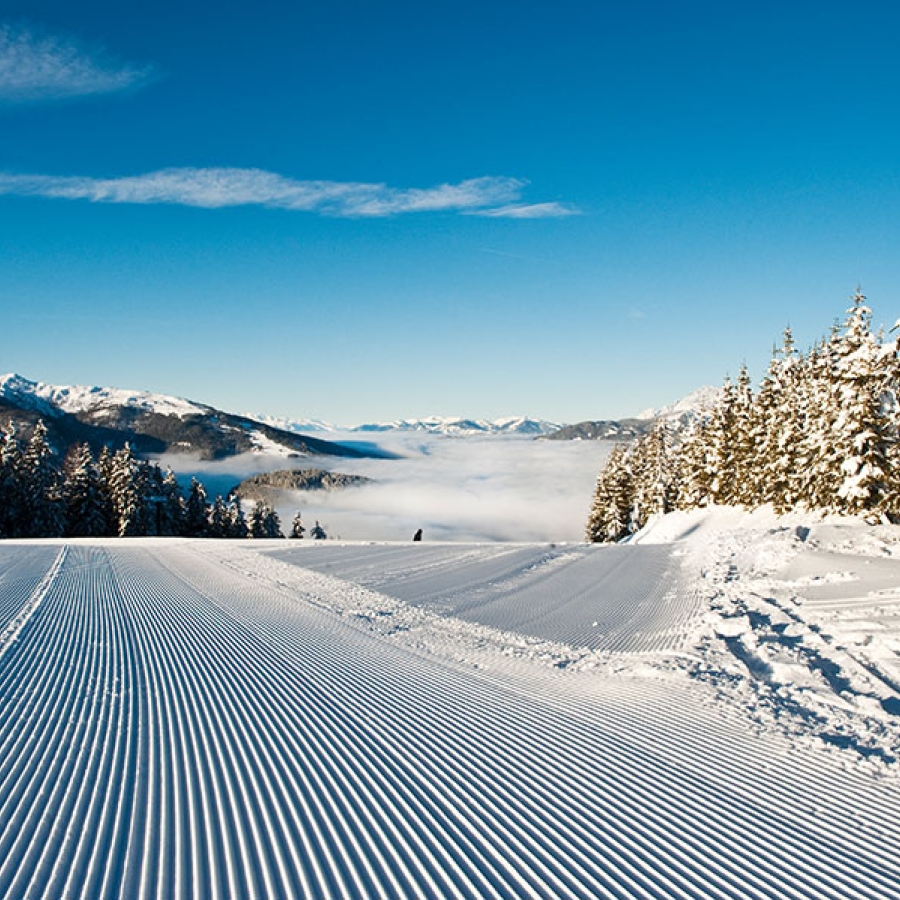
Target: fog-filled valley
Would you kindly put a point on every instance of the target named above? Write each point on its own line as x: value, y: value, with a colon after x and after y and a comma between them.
x: 454, y: 488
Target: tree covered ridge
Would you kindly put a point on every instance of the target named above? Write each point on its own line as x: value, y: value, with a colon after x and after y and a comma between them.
x: 821, y: 433
x: 112, y: 495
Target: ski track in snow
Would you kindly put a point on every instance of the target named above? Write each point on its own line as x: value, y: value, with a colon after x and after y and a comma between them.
x: 818, y: 634
x: 193, y: 720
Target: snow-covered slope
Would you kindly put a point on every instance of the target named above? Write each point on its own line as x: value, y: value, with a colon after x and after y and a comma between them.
x: 709, y: 717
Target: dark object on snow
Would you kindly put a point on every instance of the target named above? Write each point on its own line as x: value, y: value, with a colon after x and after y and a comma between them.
x: 418, y: 535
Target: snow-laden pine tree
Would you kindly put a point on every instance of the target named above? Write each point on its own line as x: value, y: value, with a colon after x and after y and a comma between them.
x: 863, y: 432
x: 238, y: 524
x: 297, y: 528
x: 778, y: 431
x: 85, y: 507
x: 264, y: 521
x: 124, y: 483
x: 219, y: 525
x: 152, y: 500
x: 597, y: 529
x: 742, y: 491
x: 722, y: 435
x: 694, y: 465
x: 42, y: 487
x: 890, y: 375
x: 196, y: 511
x: 105, y: 468
x: 12, y: 494
x: 171, y: 507
x: 653, y: 478
x: 610, y: 518
x: 818, y: 462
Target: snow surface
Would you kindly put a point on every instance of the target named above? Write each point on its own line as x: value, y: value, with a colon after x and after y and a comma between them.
x: 709, y: 712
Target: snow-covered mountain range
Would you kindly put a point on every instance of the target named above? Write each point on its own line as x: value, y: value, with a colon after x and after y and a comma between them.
x: 451, y: 426
x: 677, y: 414
x: 96, y: 402
x: 606, y: 429
x: 157, y: 423
x: 151, y: 423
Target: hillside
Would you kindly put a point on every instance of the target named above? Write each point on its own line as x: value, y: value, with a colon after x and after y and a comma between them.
x: 272, y: 486
x: 602, y: 430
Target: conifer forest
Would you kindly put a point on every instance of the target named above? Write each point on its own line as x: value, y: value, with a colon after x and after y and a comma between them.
x: 821, y: 433
x: 114, y: 494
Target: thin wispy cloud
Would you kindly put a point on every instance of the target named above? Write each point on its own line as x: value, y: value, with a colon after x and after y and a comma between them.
x: 45, y: 67
x: 529, y: 211
x: 223, y: 187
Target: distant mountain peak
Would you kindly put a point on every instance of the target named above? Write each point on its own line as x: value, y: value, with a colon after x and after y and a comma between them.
x: 677, y: 415
x: 701, y: 399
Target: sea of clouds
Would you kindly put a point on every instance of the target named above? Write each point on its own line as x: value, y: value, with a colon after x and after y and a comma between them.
x: 453, y: 488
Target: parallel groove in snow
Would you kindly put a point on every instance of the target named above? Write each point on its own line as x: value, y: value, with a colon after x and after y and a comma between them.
x: 249, y: 744
x: 22, y: 567
x: 740, y: 893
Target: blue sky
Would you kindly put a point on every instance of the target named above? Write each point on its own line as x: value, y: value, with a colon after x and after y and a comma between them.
x: 370, y: 210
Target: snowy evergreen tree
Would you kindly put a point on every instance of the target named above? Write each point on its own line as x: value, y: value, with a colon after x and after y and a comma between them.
x: 170, y: 510
x: 12, y: 494
x: 652, y: 476
x: 297, y: 528
x: 85, y: 506
x: 723, y: 446
x: 238, y: 527
x: 695, y: 465
x: 318, y: 532
x: 125, y: 493
x: 42, y: 487
x: 778, y: 431
x: 818, y: 464
x: 611, y: 511
x: 743, y: 453
x: 196, y: 511
x: 264, y: 521
x: 219, y: 519
x: 862, y: 430
x: 889, y: 375
x: 105, y: 468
